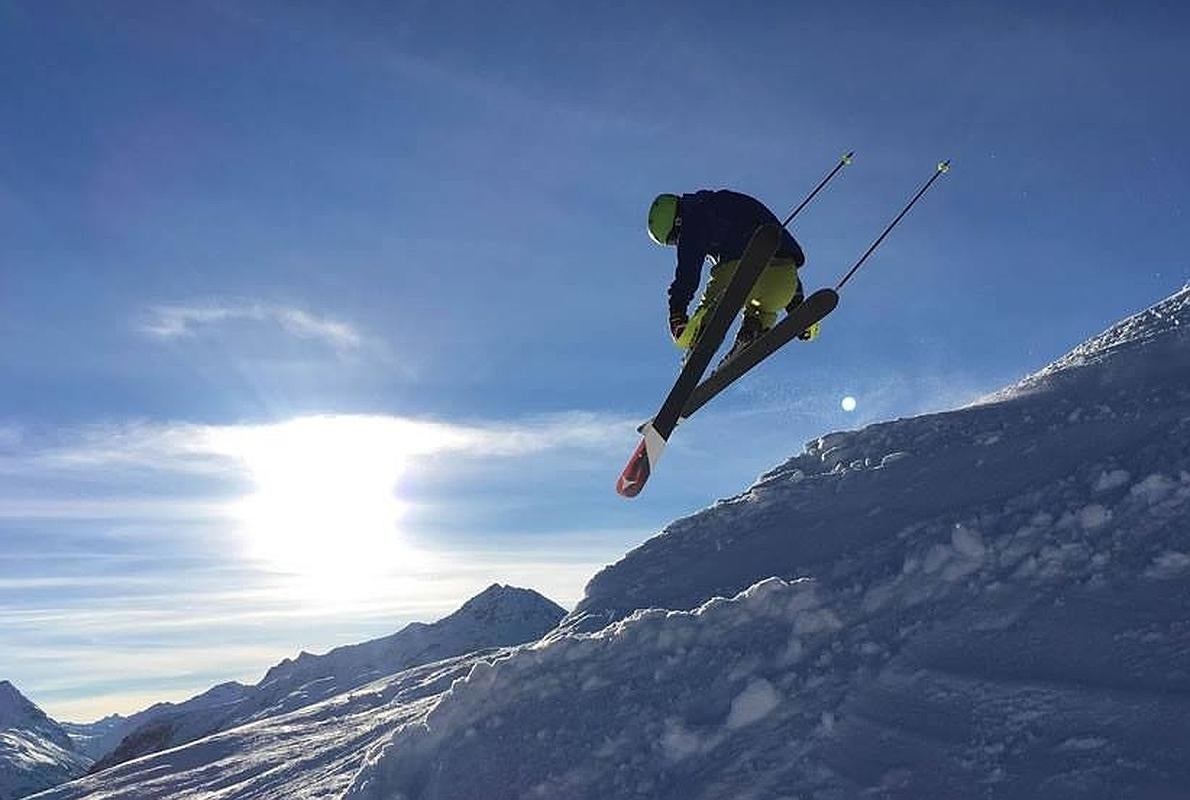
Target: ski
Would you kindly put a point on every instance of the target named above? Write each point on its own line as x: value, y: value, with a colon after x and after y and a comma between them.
x: 813, y: 309
x: 656, y: 432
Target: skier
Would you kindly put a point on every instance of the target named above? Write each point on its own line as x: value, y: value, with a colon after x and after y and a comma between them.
x: 718, y: 224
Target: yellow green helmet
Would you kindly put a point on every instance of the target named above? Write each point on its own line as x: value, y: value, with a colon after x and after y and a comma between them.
x: 663, y: 219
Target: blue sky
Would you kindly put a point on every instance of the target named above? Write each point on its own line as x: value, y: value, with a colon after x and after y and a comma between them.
x: 315, y: 319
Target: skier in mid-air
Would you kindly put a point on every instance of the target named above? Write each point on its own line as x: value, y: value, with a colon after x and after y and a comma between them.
x: 717, y: 224
x: 754, y: 267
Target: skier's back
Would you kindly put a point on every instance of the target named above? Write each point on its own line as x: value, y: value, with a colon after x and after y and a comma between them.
x: 717, y: 224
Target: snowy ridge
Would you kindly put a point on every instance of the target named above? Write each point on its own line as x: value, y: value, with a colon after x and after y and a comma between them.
x: 35, y: 752
x: 1163, y: 322
x: 164, y: 725
x: 309, y: 754
x: 1121, y: 390
x: 303, y: 731
x: 95, y: 739
x: 498, y: 616
x: 987, y: 602
x: 563, y: 704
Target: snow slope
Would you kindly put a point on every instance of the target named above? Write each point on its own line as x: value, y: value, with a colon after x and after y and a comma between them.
x: 34, y: 751
x: 498, y: 616
x: 309, y: 754
x: 304, y: 730
x: 96, y: 739
x: 989, y: 602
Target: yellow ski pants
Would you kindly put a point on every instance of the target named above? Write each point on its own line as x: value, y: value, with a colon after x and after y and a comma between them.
x: 774, y: 290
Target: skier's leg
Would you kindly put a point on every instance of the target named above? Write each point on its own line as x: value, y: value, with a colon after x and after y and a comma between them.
x: 717, y: 283
x: 775, y: 290
x: 799, y: 297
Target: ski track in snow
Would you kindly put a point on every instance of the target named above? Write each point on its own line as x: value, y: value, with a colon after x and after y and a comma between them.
x: 990, y: 602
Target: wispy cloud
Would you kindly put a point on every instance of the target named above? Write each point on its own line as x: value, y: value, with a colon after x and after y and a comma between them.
x: 149, y: 472
x: 180, y: 321
x: 207, y: 449
x: 111, y: 508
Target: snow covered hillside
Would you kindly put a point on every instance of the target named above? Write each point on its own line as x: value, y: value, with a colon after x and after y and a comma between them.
x: 309, y: 754
x: 1070, y: 441
x: 990, y: 602
x: 498, y: 616
x: 987, y: 602
x: 98, y: 738
x: 34, y: 751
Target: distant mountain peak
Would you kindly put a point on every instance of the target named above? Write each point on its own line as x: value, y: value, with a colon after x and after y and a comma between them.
x: 499, y: 616
x: 16, y: 710
x: 35, y: 752
x: 499, y: 602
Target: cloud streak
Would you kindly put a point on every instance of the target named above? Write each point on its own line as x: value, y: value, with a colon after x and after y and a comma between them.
x: 185, y: 321
x: 178, y: 474
x: 213, y: 449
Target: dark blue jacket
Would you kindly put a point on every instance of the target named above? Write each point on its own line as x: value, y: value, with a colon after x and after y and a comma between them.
x: 718, y: 224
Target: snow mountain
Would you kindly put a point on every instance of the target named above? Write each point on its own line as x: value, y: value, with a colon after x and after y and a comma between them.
x: 312, y: 753
x: 988, y: 602
x: 163, y: 725
x: 496, y: 617
x: 35, y: 752
x: 315, y: 718
x: 96, y: 739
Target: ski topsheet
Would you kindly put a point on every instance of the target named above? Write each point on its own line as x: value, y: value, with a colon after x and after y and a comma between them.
x: 655, y: 433
x: 811, y: 310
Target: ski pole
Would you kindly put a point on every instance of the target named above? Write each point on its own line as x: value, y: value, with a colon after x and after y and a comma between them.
x: 942, y: 169
x: 844, y: 161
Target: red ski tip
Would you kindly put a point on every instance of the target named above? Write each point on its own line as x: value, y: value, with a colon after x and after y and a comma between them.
x: 633, y: 478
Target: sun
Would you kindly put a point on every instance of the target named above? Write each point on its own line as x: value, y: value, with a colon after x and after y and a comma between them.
x: 324, y: 507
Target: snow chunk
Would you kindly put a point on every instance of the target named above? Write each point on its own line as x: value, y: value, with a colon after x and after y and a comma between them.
x: 937, y: 556
x: 1170, y: 564
x: 753, y: 704
x: 967, y: 542
x: 677, y: 743
x: 1082, y: 743
x: 1154, y: 488
x: 816, y: 621
x: 1093, y: 517
x: 1112, y: 480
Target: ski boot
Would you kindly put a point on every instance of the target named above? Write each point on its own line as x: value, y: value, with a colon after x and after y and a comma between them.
x: 750, y: 331
x: 810, y: 333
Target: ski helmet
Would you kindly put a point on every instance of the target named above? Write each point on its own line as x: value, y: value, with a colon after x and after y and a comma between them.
x: 663, y: 219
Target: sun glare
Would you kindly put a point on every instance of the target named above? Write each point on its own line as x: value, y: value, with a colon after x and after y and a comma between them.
x: 324, y: 508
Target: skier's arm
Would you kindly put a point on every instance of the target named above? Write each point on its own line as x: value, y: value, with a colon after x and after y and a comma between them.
x: 687, y: 276
x: 791, y: 249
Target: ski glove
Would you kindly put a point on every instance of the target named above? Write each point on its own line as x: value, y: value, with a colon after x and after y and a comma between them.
x: 677, y: 323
